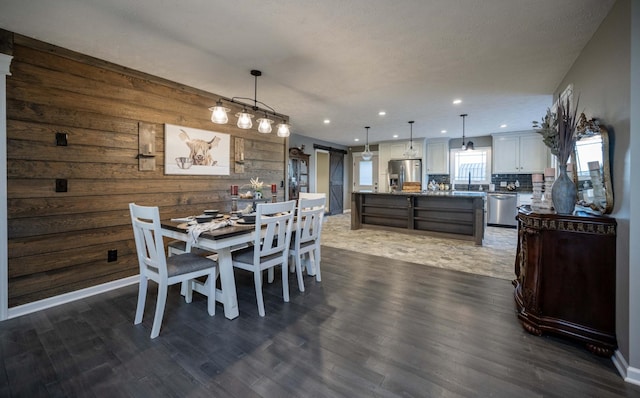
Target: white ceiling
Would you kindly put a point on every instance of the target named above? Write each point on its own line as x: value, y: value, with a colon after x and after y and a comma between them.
x: 344, y: 60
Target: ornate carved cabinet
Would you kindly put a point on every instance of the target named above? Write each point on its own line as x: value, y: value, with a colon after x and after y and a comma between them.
x: 565, y: 269
x: 298, y: 172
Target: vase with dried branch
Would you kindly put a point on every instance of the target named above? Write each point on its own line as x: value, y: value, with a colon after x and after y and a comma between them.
x: 559, y: 131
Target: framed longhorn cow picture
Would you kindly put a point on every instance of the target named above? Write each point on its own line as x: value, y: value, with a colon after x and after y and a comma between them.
x: 192, y: 151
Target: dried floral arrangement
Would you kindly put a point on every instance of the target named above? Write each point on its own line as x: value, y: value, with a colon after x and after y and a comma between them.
x: 559, y: 130
x: 255, y: 184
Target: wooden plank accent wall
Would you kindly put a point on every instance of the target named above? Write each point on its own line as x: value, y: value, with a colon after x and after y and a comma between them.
x: 58, y: 241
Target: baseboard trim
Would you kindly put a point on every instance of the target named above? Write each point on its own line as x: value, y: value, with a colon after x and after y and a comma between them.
x: 29, y: 308
x: 628, y: 373
x: 633, y: 376
x: 620, y: 363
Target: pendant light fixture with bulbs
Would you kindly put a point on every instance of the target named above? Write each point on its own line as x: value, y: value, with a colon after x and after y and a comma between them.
x: 219, y: 113
x: 469, y: 144
x: 410, y: 152
x: 367, y: 154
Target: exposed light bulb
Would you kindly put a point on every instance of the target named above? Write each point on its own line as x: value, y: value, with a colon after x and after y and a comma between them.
x: 367, y: 155
x: 283, y: 130
x: 264, y: 125
x: 469, y: 144
x: 219, y: 113
x: 410, y: 152
x: 244, y: 120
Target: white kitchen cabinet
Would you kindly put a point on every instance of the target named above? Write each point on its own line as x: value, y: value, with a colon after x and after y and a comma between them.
x: 397, y: 149
x: 519, y: 153
x: 438, y: 157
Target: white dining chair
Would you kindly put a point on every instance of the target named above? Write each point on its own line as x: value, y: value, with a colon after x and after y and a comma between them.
x: 313, y: 195
x: 273, y: 228
x: 181, y: 247
x: 177, y: 247
x: 163, y: 270
x: 306, y: 241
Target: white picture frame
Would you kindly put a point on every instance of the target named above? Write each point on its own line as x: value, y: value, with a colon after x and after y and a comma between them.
x: 191, y: 151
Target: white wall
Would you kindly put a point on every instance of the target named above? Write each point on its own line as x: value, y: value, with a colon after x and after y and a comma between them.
x: 601, y: 77
x: 633, y: 372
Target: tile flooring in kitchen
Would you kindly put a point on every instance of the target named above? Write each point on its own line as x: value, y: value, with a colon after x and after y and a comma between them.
x: 494, y: 258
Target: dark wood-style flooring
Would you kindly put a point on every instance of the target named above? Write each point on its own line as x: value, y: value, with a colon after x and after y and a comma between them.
x: 374, y: 327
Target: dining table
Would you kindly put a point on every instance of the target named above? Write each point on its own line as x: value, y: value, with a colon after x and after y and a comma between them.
x: 222, y: 241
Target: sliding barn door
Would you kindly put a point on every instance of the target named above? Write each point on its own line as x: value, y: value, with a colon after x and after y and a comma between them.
x: 336, y: 183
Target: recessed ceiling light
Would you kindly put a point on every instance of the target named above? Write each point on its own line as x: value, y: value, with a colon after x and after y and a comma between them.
x: 327, y: 121
x: 395, y: 136
x: 443, y: 131
x: 503, y: 126
x: 457, y: 101
x: 382, y: 113
x: 356, y: 139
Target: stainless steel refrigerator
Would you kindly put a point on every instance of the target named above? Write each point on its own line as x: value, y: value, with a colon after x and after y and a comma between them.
x: 401, y: 171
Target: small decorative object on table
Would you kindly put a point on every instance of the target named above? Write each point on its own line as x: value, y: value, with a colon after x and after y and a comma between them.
x: 234, y: 198
x: 536, y: 198
x: 257, y: 186
x: 559, y: 132
x: 546, y: 205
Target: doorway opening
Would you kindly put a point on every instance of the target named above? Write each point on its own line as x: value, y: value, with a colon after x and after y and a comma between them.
x: 322, y: 174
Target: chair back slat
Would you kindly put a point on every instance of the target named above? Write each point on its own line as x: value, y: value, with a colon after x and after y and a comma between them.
x: 309, y: 220
x: 274, y: 224
x: 147, y: 233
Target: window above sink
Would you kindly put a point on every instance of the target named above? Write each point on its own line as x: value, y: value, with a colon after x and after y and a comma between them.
x: 471, y: 166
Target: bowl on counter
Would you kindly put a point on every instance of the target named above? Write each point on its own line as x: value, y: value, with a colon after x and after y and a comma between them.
x: 211, y: 212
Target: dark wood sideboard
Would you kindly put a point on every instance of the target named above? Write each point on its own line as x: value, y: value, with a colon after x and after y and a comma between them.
x: 565, y: 277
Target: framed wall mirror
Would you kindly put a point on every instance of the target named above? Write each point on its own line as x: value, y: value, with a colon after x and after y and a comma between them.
x: 592, y: 173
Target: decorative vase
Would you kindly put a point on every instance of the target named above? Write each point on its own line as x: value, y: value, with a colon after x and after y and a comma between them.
x: 563, y: 192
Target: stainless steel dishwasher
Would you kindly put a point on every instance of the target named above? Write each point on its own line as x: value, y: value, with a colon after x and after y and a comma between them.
x: 502, y: 209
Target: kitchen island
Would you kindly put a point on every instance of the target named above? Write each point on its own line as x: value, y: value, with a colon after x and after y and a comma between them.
x: 457, y: 214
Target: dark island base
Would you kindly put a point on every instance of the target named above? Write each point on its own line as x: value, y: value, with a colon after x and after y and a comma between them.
x: 446, y: 216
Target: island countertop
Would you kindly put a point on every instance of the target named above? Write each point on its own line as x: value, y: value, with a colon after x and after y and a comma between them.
x: 432, y: 193
x: 457, y: 214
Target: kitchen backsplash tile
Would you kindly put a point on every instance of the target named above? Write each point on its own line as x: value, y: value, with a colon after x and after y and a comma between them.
x: 439, y: 178
x: 524, y: 181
